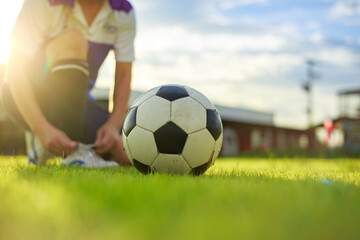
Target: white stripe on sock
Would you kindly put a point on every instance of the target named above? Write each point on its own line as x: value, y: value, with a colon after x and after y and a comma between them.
x: 71, y: 66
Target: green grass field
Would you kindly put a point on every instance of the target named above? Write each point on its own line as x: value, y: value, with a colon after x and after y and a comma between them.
x: 235, y: 199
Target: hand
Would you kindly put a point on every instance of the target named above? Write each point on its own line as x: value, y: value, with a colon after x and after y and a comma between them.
x: 56, y: 141
x: 106, y: 138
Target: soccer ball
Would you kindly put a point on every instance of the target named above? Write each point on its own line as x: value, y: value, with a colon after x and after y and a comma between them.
x: 172, y: 129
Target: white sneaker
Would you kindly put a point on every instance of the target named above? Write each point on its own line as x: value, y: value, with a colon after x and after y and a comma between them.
x: 84, y: 156
x: 36, y: 152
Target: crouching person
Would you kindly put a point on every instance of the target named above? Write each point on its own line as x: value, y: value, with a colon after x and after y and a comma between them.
x: 57, y: 49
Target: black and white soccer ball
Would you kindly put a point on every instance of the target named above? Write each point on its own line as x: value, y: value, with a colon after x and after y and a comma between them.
x: 172, y: 129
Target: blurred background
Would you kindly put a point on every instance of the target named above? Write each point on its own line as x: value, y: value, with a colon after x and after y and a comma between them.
x: 284, y: 75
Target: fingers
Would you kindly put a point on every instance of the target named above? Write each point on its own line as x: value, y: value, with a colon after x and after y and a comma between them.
x: 106, y: 143
x: 68, y: 144
x: 62, y: 145
x: 56, y: 141
x: 99, y: 137
x: 55, y: 149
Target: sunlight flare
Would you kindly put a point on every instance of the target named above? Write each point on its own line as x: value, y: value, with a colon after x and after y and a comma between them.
x: 8, y: 13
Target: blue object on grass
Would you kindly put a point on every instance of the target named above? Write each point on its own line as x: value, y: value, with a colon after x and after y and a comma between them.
x: 326, y: 181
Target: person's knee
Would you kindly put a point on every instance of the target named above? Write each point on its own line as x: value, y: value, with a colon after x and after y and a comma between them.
x: 68, y: 44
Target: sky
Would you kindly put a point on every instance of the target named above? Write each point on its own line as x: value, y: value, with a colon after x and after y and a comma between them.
x: 242, y: 53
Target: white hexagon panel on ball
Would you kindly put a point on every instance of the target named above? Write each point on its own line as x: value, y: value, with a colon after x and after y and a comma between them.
x: 188, y: 114
x: 153, y: 113
x: 199, y: 148
x: 143, y: 148
x: 170, y: 163
x: 145, y: 96
x: 201, y: 98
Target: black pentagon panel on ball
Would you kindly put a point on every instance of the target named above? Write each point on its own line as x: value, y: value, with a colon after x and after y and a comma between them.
x: 172, y: 92
x: 170, y: 139
x: 213, y: 123
x: 130, y: 121
x: 143, y: 168
x: 200, y: 169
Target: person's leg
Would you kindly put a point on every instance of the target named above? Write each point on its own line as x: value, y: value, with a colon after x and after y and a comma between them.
x: 118, y: 153
x: 63, y: 94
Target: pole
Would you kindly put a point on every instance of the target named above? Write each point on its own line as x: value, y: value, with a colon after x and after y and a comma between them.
x: 308, y: 87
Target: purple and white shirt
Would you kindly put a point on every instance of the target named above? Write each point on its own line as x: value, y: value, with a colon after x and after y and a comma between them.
x: 113, y: 28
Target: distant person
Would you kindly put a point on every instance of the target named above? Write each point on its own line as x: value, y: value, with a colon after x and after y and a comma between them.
x: 57, y: 49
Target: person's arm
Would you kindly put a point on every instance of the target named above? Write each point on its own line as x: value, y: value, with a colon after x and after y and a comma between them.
x: 27, y: 38
x: 121, y: 93
x: 52, y: 138
x: 110, y: 131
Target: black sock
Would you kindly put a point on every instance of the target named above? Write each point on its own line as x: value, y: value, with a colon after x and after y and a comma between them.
x: 68, y: 88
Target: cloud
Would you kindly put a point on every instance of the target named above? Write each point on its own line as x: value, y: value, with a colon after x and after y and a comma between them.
x: 226, y: 4
x: 180, y: 39
x: 257, y: 71
x: 345, y: 8
x: 178, y: 54
x: 317, y: 37
x: 340, y: 57
x: 216, y: 11
x: 347, y: 12
x: 212, y: 67
x: 313, y: 25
